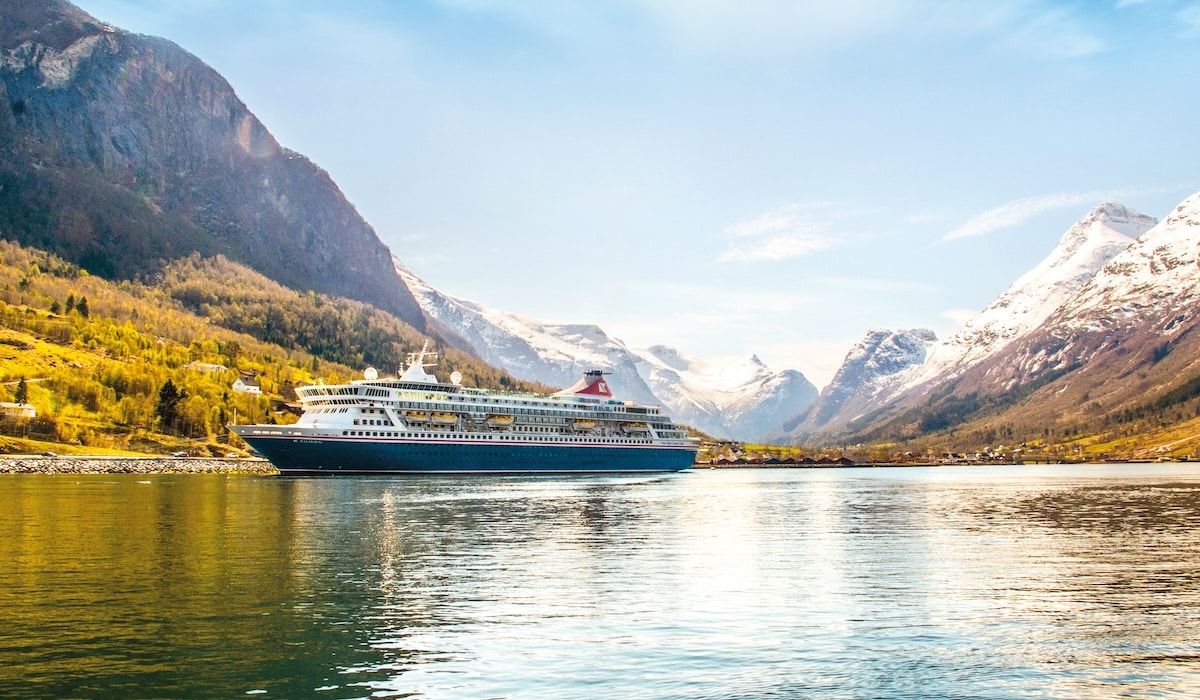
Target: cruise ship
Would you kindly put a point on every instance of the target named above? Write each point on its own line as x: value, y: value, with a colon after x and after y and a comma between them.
x: 415, y: 423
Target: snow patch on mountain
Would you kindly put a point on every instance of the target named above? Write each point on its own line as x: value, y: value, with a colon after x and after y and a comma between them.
x: 714, y: 396
x: 1094, y: 240
x: 553, y: 354
x: 887, y: 367
x: 741, y: 400
x: 1161, y: 271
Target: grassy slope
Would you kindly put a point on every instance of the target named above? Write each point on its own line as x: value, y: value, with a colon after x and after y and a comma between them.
x: 98, y: 376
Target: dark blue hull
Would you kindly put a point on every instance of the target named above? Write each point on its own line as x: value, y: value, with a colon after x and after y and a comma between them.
x: 339, y: 455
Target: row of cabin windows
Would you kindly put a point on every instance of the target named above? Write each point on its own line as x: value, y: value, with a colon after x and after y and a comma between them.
x: 375, y: 433
x: 423, y: 406
x: 380, y: 411
x: 444, y: 407
x: 548, y: 404
x: 371, y: 421
x: 367, y: 391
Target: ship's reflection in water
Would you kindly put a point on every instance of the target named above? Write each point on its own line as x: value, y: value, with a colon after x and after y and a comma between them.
x: 989, y: 582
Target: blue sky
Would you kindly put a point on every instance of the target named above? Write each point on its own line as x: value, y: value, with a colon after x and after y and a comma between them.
x: 726, y: 177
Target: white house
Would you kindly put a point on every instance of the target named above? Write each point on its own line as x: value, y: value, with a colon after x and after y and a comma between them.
x: 246, y: 386
x: 20, y: 410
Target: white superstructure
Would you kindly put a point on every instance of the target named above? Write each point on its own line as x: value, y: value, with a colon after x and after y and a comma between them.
x: 417, y: 406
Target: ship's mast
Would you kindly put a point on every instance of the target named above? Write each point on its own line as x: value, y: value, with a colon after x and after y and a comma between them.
x: 417, y: 359
x: 416, y: 364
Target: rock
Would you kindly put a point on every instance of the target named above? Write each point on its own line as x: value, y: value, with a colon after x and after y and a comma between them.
x: 133, y: 465
x: 122, y: 150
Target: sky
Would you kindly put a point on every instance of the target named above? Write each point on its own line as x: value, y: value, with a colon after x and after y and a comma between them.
x: 725, y: 177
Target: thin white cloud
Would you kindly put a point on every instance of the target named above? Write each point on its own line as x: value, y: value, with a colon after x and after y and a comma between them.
x: 790, y: 232
x: 1021, y: 210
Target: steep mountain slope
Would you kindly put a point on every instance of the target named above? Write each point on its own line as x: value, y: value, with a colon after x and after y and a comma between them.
x: 1091, y: 242
x: 1141, y: 305
x: 867, y: 378
x: 1123, y: 349
x: 1156, y: 275
x: 1085, y: 248
x: 118, y: 151
x: 743, y: 400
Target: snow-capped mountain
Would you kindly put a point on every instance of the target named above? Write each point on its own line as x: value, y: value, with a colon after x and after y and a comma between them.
x: 1159, y: 272
x: 550, y: 353
x: 741, y: 400
x: 867, y: 390
x: 1123, y: 346
x: 1101, y: 234
x: 868, y: 378
x: 1144, y: 302
x: 715, y: 396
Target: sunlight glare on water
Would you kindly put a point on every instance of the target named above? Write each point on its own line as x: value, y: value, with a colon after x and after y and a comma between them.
x: 983, y: 582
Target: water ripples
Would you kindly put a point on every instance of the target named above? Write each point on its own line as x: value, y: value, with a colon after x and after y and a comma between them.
x: 988, y: 582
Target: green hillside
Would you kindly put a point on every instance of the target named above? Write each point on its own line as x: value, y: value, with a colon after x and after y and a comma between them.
x: 95, y: 354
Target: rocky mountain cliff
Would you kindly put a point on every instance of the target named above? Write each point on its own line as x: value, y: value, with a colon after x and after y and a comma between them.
x: 864, y: 394
x: 867, y: 379
x: 745, y: 400
x: 120, y: 151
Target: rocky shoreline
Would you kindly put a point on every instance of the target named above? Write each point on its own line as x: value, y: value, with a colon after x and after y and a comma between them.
x: 67, y: 464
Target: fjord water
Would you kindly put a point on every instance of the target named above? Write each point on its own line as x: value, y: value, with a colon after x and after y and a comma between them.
x: 1068, y: 581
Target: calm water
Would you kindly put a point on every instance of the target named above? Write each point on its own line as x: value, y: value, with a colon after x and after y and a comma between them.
x: 964, y: 582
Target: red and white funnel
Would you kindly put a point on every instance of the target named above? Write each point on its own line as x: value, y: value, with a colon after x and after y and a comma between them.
x: 592, y: 383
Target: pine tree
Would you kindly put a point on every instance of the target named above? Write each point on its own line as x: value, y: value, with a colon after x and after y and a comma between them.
x: 82, y: 306
x: 55, y: 307
x: 70, y: 303
x: 168, y: 403
x: 22, y: 393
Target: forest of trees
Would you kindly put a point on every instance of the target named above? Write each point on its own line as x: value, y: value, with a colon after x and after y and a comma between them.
x: 138, y: 365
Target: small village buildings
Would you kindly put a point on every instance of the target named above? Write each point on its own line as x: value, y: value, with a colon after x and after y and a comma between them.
x: 247, y: 385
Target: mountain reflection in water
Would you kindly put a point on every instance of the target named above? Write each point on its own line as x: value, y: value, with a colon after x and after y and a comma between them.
x: 984, y: 582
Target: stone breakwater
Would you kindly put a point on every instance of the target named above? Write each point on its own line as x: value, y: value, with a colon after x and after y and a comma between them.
x: 133, y: 465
